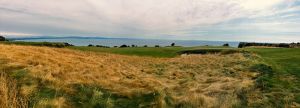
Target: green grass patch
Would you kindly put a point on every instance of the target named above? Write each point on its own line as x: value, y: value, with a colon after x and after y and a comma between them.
x: 147, y: 51
x: 210, y: 51
x: 18, y: 74
x: 282, y: 83
x: 96, y: 97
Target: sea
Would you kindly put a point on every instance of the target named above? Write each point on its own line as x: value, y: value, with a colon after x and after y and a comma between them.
x: 121, y: 41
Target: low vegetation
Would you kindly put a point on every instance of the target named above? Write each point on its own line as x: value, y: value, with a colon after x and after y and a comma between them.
x: 2, y: 38
x: 47, y: 44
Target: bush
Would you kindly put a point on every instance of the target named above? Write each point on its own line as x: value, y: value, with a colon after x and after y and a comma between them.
x: 173, y: 44
x: 134, y: 45
x: 156, y: 46
x: 102, y: 46
x: 123, y: 46
x: 226, y: 45
x: 2, y: 38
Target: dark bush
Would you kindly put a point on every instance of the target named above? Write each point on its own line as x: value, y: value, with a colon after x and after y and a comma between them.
x: 284, y: 45
x: 156, y: 46
x: 102, y: 46
x: 67, y: 44
x: 2, y: 38
x: 173, y: 44
x: 246, y: 44
x: 145, y: 45
x: 90, y: 45
x: 226, y: 45
x: 134, y: 45
x: 123, y: 46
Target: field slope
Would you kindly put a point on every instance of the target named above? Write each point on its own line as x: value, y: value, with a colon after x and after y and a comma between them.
x: 59, y: 77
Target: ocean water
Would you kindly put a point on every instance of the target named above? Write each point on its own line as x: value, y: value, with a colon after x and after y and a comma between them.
x: 139, y: 42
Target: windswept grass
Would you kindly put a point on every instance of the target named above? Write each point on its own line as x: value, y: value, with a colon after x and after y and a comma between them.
x: 9, y: 90
x: 53, y: 77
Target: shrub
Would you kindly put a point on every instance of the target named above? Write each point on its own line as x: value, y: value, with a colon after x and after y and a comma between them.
x: 123, y: 46
x: 90, y: 45
x: 173, y: 44
x: 2, y: 38
x: 102, y: 46
x: 226, y: 45
x: 145, y: 45
x: 134, y: 45
x: 156, y: 46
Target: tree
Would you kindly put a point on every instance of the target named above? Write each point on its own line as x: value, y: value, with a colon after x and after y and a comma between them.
x: 173, y: 44
x: 2, y: 38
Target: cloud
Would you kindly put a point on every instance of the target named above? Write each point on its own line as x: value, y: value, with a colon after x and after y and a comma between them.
x: 137, y: 18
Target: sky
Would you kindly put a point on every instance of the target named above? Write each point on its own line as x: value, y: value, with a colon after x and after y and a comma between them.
x: 217, y: 20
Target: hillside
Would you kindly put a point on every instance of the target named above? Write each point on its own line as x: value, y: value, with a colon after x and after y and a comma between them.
x: 56, y: 77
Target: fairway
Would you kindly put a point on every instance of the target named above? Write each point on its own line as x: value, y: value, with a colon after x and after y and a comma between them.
x: 286, y: 79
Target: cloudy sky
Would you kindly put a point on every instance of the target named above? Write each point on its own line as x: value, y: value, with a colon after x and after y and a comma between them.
x: 229, y: 20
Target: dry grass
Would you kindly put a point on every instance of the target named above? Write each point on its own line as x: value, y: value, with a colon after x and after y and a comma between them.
x: 9, y: 94
x: 194, y: 80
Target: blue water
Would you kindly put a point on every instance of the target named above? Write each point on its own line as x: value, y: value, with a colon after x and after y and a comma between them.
x: 139, y: 42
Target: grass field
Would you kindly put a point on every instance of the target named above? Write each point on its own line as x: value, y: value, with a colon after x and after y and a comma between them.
x: 149, y: 77
x: 59, y: 77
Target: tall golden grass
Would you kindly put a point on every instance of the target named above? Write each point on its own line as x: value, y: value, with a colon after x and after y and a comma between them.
x: 211, y: 80
x: 9, y: 97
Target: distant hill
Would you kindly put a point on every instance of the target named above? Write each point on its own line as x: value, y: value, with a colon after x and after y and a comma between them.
x: 54, y: 37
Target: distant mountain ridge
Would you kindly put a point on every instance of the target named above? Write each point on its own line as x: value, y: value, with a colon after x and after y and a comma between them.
x: 54, y: 37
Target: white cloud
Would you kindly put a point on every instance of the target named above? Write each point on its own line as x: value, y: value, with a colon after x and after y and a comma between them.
x: 258, y: 4
x: 15, y: 34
